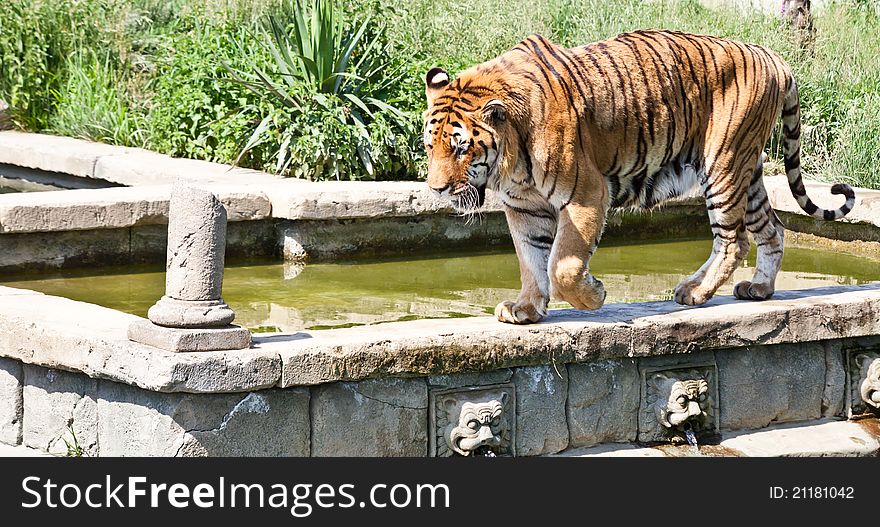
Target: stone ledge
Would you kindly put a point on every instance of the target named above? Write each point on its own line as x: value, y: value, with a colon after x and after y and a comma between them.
x: 119, y: 207
x: 823, y: 437
x: 865, y: 210
x: 53, y: 153
x: 117, y: 164
x: 134, y: 167
x: 248, y: 198
x: 73, y: 210
x: 432, y: 347
x: 59, y: 333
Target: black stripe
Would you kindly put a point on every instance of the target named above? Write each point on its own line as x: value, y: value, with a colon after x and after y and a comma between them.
x: 623, y: 88
x: 577, y: 175
x: 759, y: 207
x: 797, y: 187
x: 542, y: 239
x: 793, y: 162
x: 726, y: 227
x: 757, y: 174
x: 543, y: 214
x: 534, y: 78
x: 810, y: 208
x: 543, y: 59
x: 766, y: 220
x: 567, y: 69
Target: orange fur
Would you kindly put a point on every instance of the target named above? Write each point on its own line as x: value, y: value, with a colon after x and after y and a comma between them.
x: 562, y: 135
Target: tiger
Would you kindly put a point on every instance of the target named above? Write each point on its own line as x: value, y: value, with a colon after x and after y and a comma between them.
x: 563, y: 135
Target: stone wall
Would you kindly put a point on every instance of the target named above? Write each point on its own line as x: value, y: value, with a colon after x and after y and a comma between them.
x: 554, y: 407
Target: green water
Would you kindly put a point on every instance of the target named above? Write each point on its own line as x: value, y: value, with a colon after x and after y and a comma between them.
x: 7, y: 190
x: 270, y: 296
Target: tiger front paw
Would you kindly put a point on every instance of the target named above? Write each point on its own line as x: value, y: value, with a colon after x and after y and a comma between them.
x: 586, y: 295
x: 691, y: 294
x: 519, y: 312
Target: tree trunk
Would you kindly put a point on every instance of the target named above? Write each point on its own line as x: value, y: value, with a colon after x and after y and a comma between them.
x: 798, y: 15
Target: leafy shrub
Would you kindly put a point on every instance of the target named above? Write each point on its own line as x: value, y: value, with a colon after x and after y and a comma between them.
x: 331, y: 88
x: 193, y: 111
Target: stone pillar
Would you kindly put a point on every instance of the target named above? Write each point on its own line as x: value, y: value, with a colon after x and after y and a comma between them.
x: 192, y: 316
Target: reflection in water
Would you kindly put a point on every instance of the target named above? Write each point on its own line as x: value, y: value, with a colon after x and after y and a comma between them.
x: 284, y: 297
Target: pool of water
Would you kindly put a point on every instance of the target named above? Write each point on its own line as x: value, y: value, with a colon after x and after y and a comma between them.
x: 271, y: 296
x: 10, y: 184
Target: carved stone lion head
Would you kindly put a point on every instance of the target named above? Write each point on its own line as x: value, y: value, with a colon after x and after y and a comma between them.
x: 684, y: 402
x: 870, y: 387
x: 480, y: 427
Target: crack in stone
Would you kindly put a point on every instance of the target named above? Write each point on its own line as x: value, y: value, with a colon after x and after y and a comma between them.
x: 251, y: 403
x: 354, y: 389
x: 184, y: 246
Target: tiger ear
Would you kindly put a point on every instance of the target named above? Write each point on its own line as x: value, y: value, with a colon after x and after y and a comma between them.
x: 494, y: 112
x: 435, y: 80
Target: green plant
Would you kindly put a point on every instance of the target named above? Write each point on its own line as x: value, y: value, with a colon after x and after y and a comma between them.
x: 90, y: 104
x: 36, y: 39
x: 193, y: 111
x: 325, y: 68
x: 73, y: 447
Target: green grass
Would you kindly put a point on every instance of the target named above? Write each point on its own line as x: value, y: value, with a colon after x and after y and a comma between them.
x: 158, y: 80
x: 91, y: 104
x: 839, y: 78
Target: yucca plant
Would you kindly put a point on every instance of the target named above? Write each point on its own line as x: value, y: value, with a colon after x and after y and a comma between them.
x: 320, y: 60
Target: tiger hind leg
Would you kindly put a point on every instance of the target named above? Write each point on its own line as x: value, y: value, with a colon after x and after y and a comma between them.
x: 768, y: 232
x: 729, y: 246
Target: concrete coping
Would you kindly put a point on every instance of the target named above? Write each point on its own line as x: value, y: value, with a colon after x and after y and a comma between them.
x: 56, y: 332
x: 248, y: 194
x: 117, y: 164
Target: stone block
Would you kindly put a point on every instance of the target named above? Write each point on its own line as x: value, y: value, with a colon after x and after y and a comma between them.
x: 460, y: 380
x: 53, y: 153
x: 825, y: 438
x: 60, y: 333
x: 603, y: 402
x: 373, y: 418
x: 54, y: 250
x: 541, y: 392
x: 137, y: 167
x: 760, y: 385
x: 135, y: 422
x: 60, y: 411
x: 11, y: 407
x: 834, y: 396
x: 231, y: 337
x: 328, y: 239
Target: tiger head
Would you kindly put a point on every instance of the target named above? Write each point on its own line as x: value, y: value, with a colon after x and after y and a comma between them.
x: 463, y: 137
